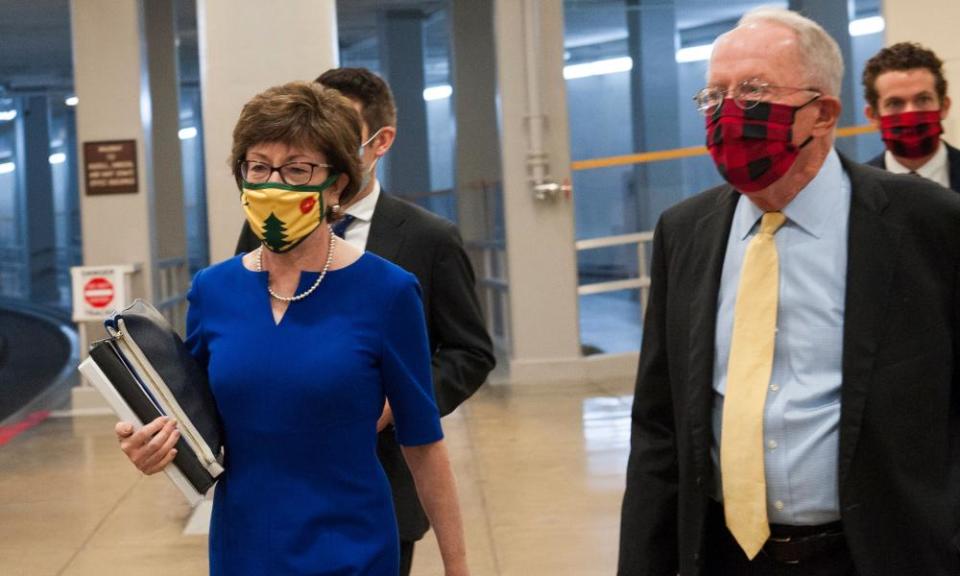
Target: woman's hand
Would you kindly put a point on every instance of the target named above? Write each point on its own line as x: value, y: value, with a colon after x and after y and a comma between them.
x: 150, y: 448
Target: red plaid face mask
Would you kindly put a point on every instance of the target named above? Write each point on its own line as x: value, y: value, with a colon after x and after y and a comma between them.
x: 911, y: 134
x: 753, y: 148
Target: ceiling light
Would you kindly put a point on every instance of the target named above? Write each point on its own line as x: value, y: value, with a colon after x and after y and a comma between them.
x: 437, y: 92
x: 694, y: 53
x: 865, y: 26
x: 597, y: 68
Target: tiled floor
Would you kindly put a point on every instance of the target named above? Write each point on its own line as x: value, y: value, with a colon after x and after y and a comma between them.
x: 540, y: 470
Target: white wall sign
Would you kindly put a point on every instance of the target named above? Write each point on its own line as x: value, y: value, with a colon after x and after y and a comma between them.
x: 99, y: 290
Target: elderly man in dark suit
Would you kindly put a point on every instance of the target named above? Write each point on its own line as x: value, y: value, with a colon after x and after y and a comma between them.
x: 797, y: 406
x: 428, y: 247
x: 907, y: 100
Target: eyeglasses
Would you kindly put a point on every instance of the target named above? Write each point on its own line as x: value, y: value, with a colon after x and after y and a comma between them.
x: 746, y: 94
x: 292, y: 174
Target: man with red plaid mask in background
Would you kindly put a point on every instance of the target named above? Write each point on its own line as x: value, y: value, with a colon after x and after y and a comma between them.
x: 907, y: 99
x: 797, y: 404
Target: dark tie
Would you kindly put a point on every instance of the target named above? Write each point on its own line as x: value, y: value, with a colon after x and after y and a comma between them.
x: 340, y: 226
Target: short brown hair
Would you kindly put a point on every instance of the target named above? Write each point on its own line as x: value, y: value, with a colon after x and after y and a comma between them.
x: 306, y: 115
x: 902, y: 56
x: 362, y: 85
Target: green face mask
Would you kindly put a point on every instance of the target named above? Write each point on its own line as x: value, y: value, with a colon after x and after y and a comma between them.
x: 282, y: 216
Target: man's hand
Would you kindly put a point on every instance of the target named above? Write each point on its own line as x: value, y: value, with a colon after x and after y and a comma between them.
x: 386, y: 418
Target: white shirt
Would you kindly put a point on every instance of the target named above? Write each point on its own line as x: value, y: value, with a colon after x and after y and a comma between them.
x: 936, y: 169
x: 359, y: 230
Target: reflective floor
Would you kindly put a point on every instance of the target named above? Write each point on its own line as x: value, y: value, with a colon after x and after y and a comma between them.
x: 540, y: 470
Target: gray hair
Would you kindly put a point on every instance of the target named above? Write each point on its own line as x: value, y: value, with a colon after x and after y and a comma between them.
x: 820, y: 52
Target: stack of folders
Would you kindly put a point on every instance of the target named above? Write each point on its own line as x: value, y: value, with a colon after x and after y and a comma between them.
x: 144, y: 371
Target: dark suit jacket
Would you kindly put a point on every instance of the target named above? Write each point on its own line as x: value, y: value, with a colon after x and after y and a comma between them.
x: 953, y: 160
x: 430, y: 248
x: 899, y: 450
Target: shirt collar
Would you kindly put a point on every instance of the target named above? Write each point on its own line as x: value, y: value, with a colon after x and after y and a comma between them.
x: 936, y: 163
x: 810, y: 209
x: 363, y: 209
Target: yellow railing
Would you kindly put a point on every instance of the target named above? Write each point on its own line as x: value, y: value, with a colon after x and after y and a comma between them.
x: 676, y: 153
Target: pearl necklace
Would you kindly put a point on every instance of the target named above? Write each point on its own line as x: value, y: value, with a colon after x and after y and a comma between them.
x: 296, y: 297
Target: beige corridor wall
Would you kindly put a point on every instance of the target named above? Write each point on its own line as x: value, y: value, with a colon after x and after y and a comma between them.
x: 935, y: 24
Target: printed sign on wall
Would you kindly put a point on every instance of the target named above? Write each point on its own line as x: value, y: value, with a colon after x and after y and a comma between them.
x: 110, y: 167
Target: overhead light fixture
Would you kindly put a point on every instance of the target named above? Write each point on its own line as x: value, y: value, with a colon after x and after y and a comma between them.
x: 597, y: 68
x: 437, y: 92
x: 72, y: 101
x: 58, y: 158
x: 7, y: 167
x: 694, y: 53
x: 7, y: 115
x: 866, y: 26
x: 187, y: 133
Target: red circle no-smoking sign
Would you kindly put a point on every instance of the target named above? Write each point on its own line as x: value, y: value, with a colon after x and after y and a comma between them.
x: 98, y: 292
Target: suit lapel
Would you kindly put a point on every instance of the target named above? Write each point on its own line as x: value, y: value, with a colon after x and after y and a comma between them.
x: 708, y: 252
x: 386, y: 231
x: 872, y: 257
x: 953, y: 162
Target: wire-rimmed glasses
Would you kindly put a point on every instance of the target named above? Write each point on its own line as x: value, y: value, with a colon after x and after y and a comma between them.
x: 747, y: 94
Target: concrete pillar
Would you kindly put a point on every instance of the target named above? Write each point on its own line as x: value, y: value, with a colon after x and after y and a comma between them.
x: 402, y: 62
x: 125, y: 79
x: 652, y: 33
x: 475, y: 107
x: 911, y: 21
x: 247, y: 46
x: 539, y: 234
x: 834, y: 16
x: 36, y: 203
x: 125, y: 76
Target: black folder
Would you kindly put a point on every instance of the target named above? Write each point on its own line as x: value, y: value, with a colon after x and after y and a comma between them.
x: 144, y: 371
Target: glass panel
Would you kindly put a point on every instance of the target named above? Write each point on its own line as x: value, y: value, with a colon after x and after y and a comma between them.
x: 12, y: 284
x: 610, y: 323
x: 191, y: 136
x: 632, y: 68
x: 361, y: 45
x: 64, y: 165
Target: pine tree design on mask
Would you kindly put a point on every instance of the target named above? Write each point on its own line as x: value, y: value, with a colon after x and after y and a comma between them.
x: 274, y: 232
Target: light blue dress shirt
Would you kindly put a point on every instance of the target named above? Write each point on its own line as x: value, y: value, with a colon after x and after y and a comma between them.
x: 802, y: 411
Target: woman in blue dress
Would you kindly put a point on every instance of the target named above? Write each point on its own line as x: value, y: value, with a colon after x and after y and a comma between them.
x: 303, y: 340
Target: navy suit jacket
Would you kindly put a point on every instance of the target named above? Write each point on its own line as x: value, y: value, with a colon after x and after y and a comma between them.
x: 899, y: 448
x: 953, y: 160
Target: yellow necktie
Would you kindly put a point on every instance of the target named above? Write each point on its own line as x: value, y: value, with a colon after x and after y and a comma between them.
x: 748, y: 375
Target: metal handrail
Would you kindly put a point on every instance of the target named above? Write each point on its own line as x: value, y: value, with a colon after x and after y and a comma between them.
x: 493, y: 289
x: 688, y: 152
x: 641, y: 282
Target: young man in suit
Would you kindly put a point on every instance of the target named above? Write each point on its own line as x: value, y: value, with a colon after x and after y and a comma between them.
x: 428, y: 247
x: 907, y: 99
x: 797, y: 405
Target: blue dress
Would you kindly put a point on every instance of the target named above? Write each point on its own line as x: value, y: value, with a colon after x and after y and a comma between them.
x: 304, y: 492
